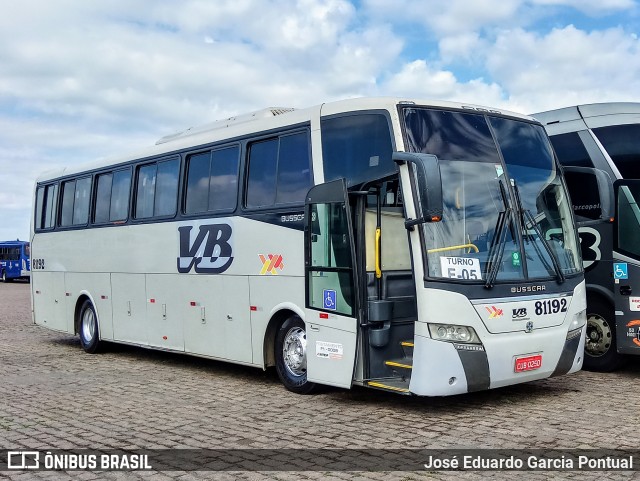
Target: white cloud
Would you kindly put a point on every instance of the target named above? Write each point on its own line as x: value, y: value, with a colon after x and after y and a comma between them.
x: 591, y: 7
x: 418, y: 80
x: 154, y: 64
x: 272, y: 25
x: 445, y: 17
x: 456, y: 17
x: 114, y: 76
x: 566, y: 66
x: 82, y: 80
x: 464, y: 47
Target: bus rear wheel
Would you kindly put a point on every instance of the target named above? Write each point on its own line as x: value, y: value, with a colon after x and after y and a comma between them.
x: 600, y: 352
x: 4, y: 277
x: 291, y: 356
x: 88, y: 328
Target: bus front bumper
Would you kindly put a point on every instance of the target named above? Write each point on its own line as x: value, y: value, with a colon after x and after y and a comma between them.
x: 444, y: 368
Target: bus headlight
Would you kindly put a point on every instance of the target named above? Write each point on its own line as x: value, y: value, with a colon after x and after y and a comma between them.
x: 579, y: 320
x: 577, y: 323
x: 453, y: 333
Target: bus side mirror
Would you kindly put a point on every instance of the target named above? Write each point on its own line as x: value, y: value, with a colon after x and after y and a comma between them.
x: 584, y: 184
x: 426, y: 185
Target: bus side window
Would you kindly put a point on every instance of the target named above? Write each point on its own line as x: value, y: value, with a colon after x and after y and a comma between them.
x: 570, y: 150
x: 279, y: 170
x: 212, y: 181
x: 263, y: 164
x: 120, y: 189
x: 583, y: 189
x: 357, y: 147
x: 621, y: 143
x: 39, y: 217
x: 223, y: 182
x: 157, y: 189
x: 628, y: 220
x: 50, y: 206
x: 112, y: 197
x: 103, y: 198
x: 81, y: 202
x: 68, y: 196
x: 331, y: 263
x: 294, y: 172
x: 46, y: 203
x: 146, y: 182
x: 198, y: 169
x: 166, y: 188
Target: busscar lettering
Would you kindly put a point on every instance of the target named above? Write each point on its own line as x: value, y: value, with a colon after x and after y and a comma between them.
x: 520, y: 289
x: 209, y: 253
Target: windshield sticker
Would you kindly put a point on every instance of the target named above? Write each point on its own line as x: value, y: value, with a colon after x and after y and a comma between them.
x: 461, y: 268
x: 499, y: 170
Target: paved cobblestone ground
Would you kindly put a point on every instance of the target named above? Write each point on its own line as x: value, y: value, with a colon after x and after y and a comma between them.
x: 55, y: 396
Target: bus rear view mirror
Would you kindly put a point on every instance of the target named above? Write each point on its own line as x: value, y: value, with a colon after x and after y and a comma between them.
x: 591, y: 192
x: 426, y: 185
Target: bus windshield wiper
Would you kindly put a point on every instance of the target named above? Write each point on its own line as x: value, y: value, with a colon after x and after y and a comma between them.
x: 526, y: 214
x: 497, y: 247
x: 496, y: 250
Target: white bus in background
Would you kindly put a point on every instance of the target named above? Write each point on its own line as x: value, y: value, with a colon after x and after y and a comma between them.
x: 605, y: 136
x: 415, y: 247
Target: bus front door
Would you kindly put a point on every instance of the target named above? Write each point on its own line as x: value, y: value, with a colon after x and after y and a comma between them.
x: 331, y: 286
x: 626, y: 266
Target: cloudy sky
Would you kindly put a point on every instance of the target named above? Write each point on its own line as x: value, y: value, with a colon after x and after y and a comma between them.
x: 81, y: 80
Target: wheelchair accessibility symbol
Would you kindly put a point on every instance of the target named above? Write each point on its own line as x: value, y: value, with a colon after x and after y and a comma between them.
x: 620, y: 270
x: 329, y: 299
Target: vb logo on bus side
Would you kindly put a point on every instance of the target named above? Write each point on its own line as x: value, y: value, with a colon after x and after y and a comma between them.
x: 210, y: 252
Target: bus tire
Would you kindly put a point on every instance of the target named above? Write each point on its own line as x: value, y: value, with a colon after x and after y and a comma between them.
x: 600, y: 349
x: 291, y: 356
x: 88, y: 328
x: 5, y: 279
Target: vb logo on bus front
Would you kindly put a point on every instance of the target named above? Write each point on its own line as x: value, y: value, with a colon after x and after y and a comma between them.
x: 209, y: 251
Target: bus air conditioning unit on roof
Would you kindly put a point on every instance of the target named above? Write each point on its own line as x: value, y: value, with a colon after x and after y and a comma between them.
x: 223, y: 123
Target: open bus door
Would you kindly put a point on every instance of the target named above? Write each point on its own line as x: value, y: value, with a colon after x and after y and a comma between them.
x: 331, y: 306
x: 626, y: 265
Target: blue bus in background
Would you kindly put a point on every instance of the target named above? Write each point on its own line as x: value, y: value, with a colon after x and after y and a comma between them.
x: 14, y: 260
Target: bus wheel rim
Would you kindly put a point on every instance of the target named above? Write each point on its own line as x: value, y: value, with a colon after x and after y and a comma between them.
x: 294, y: 351
x: 599, y: 336
x: 88, y: 325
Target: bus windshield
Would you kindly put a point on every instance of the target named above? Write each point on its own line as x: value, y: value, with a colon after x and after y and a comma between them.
x: 507, y: 216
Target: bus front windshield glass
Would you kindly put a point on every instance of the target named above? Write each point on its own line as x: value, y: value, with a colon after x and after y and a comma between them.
x: 506, y: 212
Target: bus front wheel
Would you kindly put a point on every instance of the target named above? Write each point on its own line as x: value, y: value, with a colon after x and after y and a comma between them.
x: 600, y: 352
x: 4, y: 277
x: 291, y: 356
x: 88, y: 328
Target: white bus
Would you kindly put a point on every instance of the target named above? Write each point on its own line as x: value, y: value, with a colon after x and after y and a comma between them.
x: 416, y: 247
